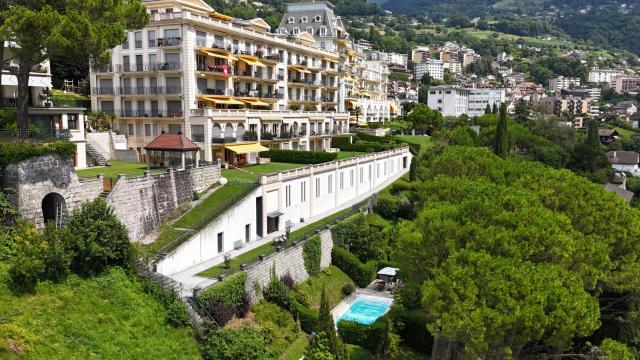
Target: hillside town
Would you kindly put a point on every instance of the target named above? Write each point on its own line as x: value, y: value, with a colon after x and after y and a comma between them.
x: 312, y: 180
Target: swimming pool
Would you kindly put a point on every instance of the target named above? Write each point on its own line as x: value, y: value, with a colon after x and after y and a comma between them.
x: 365, y: 310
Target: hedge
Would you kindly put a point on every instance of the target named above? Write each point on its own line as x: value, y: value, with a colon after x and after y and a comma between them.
x: 372, y: 138
x: 13, y: 153
x: 300, y: 157
x: 414, y: 331
x: 312, y: 253
x: 373, y: 337
x: 340, y: 141
x: 308, y: 318
x: 363, y: 146
x: 361, y: 274
x: 230, y: 291
x: 351, y: 228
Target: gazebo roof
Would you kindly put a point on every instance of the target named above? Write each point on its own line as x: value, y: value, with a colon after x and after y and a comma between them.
x: 172, y: 142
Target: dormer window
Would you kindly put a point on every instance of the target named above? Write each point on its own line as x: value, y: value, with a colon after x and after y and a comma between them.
x: 318, y: 18
x: 323, y: 31
x: 291, y: 20
x: 304, y: 19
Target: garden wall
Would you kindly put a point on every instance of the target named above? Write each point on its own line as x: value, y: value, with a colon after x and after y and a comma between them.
x: 288, y: 261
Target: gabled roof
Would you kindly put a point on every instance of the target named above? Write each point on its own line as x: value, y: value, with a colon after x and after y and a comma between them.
x: 172, y: 142
x: 607, y: 132
x: 623, y: 157
x: 305, y: 38
x: 626, y: 195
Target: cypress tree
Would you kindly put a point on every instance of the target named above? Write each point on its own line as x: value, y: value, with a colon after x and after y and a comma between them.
x: 487, y: 110
x: 327, y: 326
x: 500, y: 145
x: 593, y: 139
x: 495, y: 108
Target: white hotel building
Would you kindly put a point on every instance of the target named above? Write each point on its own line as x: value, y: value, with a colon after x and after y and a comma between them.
x: 230, y: 85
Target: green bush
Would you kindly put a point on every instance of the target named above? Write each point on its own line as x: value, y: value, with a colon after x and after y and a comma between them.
x: 300, y: 157
x: 387, y: 206
x: 229, y: 291
x: 411, y: 325
x: 345, y: 231
x: 13, y: 153
x: 312, y: 253
x: 340, y: 141
x: 101, y: 239
x: 365, y: 146
x: 373, y: 337
x: 278, y: 293
x: 348, y: 289
x: 361, y: 274
x: 177, y: 315
x: 243, y: 343
x: 308, y: 318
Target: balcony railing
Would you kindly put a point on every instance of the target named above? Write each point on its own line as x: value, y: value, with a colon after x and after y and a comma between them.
x: 103, y: 68
x: 148, y: 67
x: 170, y: 41
x: 34, y: 135
x: 197, y: 137
x: 223, y: 140
x: 249, y: 137
x: 151, y: 113
x: 221, y: 69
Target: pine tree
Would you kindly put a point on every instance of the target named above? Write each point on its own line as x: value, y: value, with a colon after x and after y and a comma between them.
x: 500, y: 145
x: 487, y: 110
x: 495, y: 108
x: 327, y: 326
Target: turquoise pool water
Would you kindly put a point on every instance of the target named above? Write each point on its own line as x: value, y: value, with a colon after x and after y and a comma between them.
x: 364, y: 311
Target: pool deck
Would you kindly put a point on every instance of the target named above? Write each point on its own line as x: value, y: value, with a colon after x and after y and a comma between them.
x: 369, y: 292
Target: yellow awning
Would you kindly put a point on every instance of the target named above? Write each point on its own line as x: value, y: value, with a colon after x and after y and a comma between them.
x: 222, y: 100
x: 301, y: 69
x: 352, y: 102
x: 222, y: 17
x: 329, y: 59
x: 254, y: 102
x: 392, y: 107
x: 251, y: 60
x: 247, y: 148
x: 365, y: 93
x: 219, y: 56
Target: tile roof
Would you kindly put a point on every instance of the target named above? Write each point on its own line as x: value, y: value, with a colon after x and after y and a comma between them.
x: 626, y: 195
x: 607, y: 132
x: 623, y: 157
x: 172, y: 142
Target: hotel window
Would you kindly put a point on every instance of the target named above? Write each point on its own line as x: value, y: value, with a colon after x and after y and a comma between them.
x: 125, y: 43
x: 138, y: 39
x: 304, y: 19
x: 303, y: 191
x: 296, y: 31
x: 318, y: 18
x: 291, y: 20
x: 323, y: 31
x: 131, y: 131
x: 330, y: 187
x: 175, y: 128
x: 72, y: 121
x: 147, y: 130
x: 151, y: 39
x: 287, y: 195
x: 317, y: 187
x: 310, y: 30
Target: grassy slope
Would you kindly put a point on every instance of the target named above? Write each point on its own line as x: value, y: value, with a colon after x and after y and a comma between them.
x: 116, y: 168
x: 331, y: 279
x: 254, y: 171
x: 107, y: 317
x: 358, y: 353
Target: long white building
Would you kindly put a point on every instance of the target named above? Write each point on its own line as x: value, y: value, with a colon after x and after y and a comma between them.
x: 225, y: 83
x: 479, y: 98
x: 604, y: 75
x: 450, y: 100
x: 433, y: 67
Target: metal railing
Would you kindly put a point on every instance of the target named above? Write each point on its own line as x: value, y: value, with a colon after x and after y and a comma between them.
x: 170, y: 41
x: 34, y: 135
x: 142, y: 67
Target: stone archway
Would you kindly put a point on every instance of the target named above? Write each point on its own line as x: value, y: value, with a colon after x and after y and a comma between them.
x: 54, y: 209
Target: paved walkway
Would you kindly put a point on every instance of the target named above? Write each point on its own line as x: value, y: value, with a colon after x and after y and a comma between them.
x: 189, y: 278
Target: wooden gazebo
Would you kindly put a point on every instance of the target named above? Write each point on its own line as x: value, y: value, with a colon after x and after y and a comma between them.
x: 169, y: 149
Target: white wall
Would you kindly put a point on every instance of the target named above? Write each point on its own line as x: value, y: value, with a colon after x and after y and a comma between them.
x: 202, y: 246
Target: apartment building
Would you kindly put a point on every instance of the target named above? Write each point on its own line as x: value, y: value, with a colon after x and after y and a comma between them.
x: 454, y: 67
x: 231, y: 86
x: 479, y: 98
x: 565, y: 105
x: 421, y: 54
x: 561, y: 82
x: 604, y: 75
x: 316, y: 19
x: 399, y: 60
x: 449, y: 100
x: 626, y: 84
x: 433, y: 67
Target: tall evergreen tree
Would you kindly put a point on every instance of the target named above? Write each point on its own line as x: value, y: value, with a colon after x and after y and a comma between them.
x: 495, y: 108
x: 487, y: 110
x: 327, y: 326
x: 500, y: 145
x: 593, y: 139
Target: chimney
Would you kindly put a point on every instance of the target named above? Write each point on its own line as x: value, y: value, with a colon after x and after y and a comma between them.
x: 615, y: 153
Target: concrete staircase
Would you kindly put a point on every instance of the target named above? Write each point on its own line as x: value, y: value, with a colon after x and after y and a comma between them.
x: 96, y: 155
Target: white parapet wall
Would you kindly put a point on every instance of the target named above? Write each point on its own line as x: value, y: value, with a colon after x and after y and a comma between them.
x: 296, y: 197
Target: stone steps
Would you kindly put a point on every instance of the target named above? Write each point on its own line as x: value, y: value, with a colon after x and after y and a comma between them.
x: 95, y: 155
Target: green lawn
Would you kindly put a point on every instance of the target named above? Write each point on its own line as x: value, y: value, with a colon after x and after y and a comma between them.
x: 254, y: 171
x: 200, y: 215
x: 117, y: 168
x: 296, y: 350
x: 332, y: 280
x: 358, y: 353
x: 625, y: 133
x: 252, y: 256
x: 107, y: 317
x: 423, y: 141
x: 349, y: 154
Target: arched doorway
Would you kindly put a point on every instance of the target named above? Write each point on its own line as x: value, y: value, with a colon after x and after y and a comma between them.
x: 54, y: 209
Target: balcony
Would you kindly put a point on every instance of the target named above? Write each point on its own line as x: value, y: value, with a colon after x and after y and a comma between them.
x: 169, y: 42
x: 223, y: 70
x: 148, y: 67
x: 211, y: 91
x: 103, y: 91
x: 249, y: 137
x: 108, y: 68
x: 166, y: 16
x: 272, y: 57
x: 197, y: 137
x: 223, y: 140
x: 152, y: 113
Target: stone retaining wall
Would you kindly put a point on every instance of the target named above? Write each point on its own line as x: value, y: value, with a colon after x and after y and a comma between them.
x: 288, y: 261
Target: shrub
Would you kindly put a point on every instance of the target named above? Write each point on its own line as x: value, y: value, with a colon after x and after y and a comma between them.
x: 220, y: 312
x: 102, y: 241
x: 412, y: 328
x: 345, y: 231
x: 243, y: 343
x: 410, y: 296
x: 373, y: 337
x: 387, y: 206
x: 308, y: 318
x: 300, y: 297
x: 13, y: 153
x: 278, y: 293
x: 178, y: 316
x: 245, y: 304
x: 348, y: 289
x: 230, y: 291
x: 300, y: 157
x: 294, y: 107
x: 287, y: 279
x: 365, y: 146
x: 312, y: 253
x: 360, y: 273
x: 309, y: 107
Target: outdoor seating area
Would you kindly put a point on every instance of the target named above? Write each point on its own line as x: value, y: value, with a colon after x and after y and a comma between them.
x: 386, y: 280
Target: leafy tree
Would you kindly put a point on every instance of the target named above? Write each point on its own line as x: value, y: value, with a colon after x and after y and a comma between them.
x: 500, y: 146
x: 588, y: 158
x: 84, y: 29
x: 319, y: 348
x: 487, y: 110
x: 244, y: 343
x: 327, y: 326
x: 102, y: 240
x: 425, y: 119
